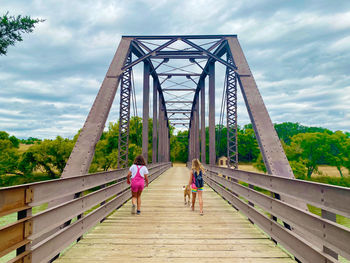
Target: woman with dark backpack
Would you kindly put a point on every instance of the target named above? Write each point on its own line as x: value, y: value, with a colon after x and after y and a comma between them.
x: 196, y: 182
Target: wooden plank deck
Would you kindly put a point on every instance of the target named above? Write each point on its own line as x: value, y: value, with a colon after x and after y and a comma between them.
x: 168, y: 231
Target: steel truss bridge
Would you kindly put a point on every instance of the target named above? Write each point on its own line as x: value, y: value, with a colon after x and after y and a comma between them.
x: 181, y: 68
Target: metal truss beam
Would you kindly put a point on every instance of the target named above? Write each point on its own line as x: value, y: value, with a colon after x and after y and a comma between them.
x: 181, y: 123
x: 179, y: 110
x: 178, y: 119
x: 178, y: 89
x: 203, y: 135
x: 180, y: 36
x: 231, y: 115
x: 180, y: 53
x: 211, y: 101
x: 213, y: 56
x: 145, y: 111
x: 178, y: 57
x: 145, y: 56
x: 124, y: 116
x: 155, y: 122
x: 179, y: 101
x: 179, y: 74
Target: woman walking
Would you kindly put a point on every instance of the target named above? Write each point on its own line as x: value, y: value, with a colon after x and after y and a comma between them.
x: 139, y: 174
x: 196, y: 182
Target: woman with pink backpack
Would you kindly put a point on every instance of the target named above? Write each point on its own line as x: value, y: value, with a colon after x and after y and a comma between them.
x: 139, y: 174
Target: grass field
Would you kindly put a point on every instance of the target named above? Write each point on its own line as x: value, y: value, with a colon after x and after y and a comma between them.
x: 24, y: 147
x: 324, y: 170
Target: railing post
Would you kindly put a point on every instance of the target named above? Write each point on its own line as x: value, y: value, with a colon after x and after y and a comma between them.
x: 27, y: 231
x: 332, y: 217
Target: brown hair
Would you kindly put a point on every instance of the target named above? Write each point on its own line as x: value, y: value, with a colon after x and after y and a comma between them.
x: 196, y: 165
x: 139, y: 160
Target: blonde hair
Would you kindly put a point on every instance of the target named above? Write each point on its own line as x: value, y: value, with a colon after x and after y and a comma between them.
x: 196, y: 165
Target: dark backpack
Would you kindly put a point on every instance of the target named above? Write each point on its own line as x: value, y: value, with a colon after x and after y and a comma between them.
x: 198, y: 179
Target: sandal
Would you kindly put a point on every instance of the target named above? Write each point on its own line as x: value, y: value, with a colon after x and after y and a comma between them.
x: 201, y: 213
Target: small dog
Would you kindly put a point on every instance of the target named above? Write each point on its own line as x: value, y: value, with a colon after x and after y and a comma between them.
x: 187, y: 192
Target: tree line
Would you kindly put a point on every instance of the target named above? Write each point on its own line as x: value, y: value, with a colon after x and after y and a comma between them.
x: 306, y: 148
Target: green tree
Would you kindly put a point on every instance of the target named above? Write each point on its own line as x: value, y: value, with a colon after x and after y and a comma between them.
x: 248, y: 148
x: 105, y: 157
x: 337, y: 153
x: 309, y: 148
x: 287, y: 130
x: 9, y: 157
x: 5, y: 136
x: 49, y: 155
x: 347, y: 155
x: 12, y: 28
x: 179, y: 147
x: 259, y: 163
x: 221, y: 140
x: 30, y: 140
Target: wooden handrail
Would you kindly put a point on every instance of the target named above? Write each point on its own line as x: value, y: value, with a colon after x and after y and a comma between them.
x: 23, y: 197
x: 316, y: 232
x: 332, y: 198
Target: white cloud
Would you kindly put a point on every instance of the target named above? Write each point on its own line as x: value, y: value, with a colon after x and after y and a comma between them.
x: 299, y: 59
x: 52, y: 34
x: 342, y: 44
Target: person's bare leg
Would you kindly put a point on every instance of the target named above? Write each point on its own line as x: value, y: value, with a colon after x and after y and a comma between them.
x: 134, y: 198
x: 200, y: 200
x: 139, y: 200
x: 133, y: 201
x: 193, y: 200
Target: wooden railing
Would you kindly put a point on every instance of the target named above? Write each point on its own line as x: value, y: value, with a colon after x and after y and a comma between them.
x: 40, y: 237
x: 309, y: 237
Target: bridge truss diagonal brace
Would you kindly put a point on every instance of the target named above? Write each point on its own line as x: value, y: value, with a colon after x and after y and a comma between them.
x: 231, y: 114
x: 270, y: 146
x: 124, y: 116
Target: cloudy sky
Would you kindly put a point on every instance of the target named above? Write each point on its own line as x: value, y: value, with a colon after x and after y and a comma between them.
x: 298, y: 51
